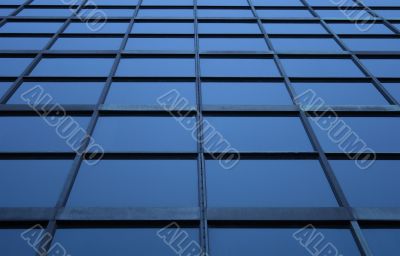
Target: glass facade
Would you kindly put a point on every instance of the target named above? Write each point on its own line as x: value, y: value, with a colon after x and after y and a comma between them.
x: 199, y: 127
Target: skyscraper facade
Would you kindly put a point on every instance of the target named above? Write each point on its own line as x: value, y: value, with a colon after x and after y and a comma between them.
x: 199, y: 127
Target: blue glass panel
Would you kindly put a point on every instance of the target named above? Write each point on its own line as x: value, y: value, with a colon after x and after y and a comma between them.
x: 277, y: 3
x: 375, y: 186
x: 87, y: 44
x: 12, y: 2
x: 321, y: 68
x: 345, y: 14
x: 46, y: 12
x: 17, y: 176
x: 61, y: 92
x: 136, y: 183
x: 221, y: 13
x: 6, y: 11
x: 378, y: 133
x: 383, y: 241
x: 245, y: 94
x: 294, y: 28
x: 239, y: 67
x: 223, y: 3
x: 101, y: 12
x: 306, y: 44
x: 86, y: 28
x: 36, y: 134
x: 20, y: 43
x: 229, y: 28
x: 11, y: 242
x: 73, y: 67
x: 394, y: 89
x: 279, y: 241
x: 286, y: 13
x: 170, y: 2
x: 268, y: 183
x: 51, y: 2
x: 123, y: 241
x: 372, y: 44
x: 144, y: 134
x: 156, y: 13
x: 383, y: 67
x: 233, y: 44
x: 381, y: 3
x: 30, y: 27
x: 156, y: 67
x: 4, y: 87
x: 160, y: 44
x: 259, y: 134
x: 114, y: 2
x: 147, y: 93
x: 354, y: 28
x: 163, y: 28
x: 388, y: 14
x: 330, y: 3
x: 13, y: 66
x: 343, y: 93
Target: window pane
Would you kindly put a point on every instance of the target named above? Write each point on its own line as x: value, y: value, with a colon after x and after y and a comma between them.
x: 394, y: 89
x: 245, y: 94
x: 87, y: 44
x: 221, y: 13
x: 59, y: 93
x: 170, y: 2
x: 4, y: 87
x: 372, y: 44
x: 147, y: 93
x: 306, y: 44
x: 34, y: 134
x: 101, y: 12
x: 20, y: 43
x: 294, y: 28
x: 30, y: 27
x: 286, y: 13
x: 381, y: 3
x: 6, y: 11
x: 156, y: 13
x: 376, y: 186
x: 114, y: 2
x: 238, y: 67
x: 13, y: 66
x: 11, y: 241
x: 353, y: 28
x: 156, y: 67
x: 163, y: 28
x: 330, y: 3
x: 383, y: 241
x: 73, y: 67
x: 107, y: 27
x: 51, y: 2
x: 262, y: 134
x: 46, y: 12
x: 278, y: 241
x: 144, y: 134
x: 321, y: 68
x: 229, y: 28
x: 345, y: 14
x: 377, y: 133
x: 383, y: 67
x: 277, y: 3
x: 33, y: 176
x: 136, y: 183
x: 388, y: 14
x: 233, y: 44
x: 160, y: 44
x: 342, y: 93
x: 223, y: 3
x: 256, y: 183
x: 119, y: 241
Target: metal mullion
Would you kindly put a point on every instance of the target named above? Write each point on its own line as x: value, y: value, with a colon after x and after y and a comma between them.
x: 200, y: 150
x: 359, y: 238
x: 15, y: 12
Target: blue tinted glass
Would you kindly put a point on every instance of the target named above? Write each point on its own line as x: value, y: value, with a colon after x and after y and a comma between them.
x: 180, y: 13
x: 46, y: 12
x: 20, y: 43
x: 238, y: 67
x: 101, y: 12
x: 59, y: 93
x: 376, y: 186
x: 229, y: 28
x: 156, y: 67
x: 12, y: 2
x: 148, y: 93
x: 245, y: 94
x: 262, y: 134
x: 233, y: 44
x: 108, y: 27
x: 372, y: 44
x: 122, y: 241
x: 170, y: 2
x: 388, y: 14
x: 160, y: 44
x: 383, y: 241
x: 305, y: 44
x: 30, y: 27
x: 31, y: 133
x: 87, y: 44
x: 12, y: 244
x: 13, y: 66
x: 287, y: 13
x: 143, y: 134
x: 51, y: 2
x: 294, y: 28
x: 354, y: 28
x: 378, y: 133
x: 381, y: 2
x: 114, y: 2
x: 256, y: 183
x: 394, y: 89
x: 33, y: 176
x: 6, y: 11
x: 321, y: 68
x: 345, y: 14
x: 73, y: 67
x: 280, y: 241
x: 343, y: 93
x: 223, y: 3
x: 136, y: 183
x: 4, y: 87
x: 217, y: 13
x: 383, y: 67
x: 330, y: 3
x: 163, y: 28
x: 277, y: 3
